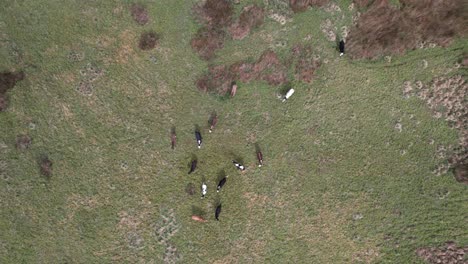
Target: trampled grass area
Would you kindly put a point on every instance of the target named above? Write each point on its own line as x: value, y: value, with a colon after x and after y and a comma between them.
x: 341, y: 183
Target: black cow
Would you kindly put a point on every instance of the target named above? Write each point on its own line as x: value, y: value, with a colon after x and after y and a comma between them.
x: 218, y: 212
x: 193, y: 166
x: 238, y: 165
x: 199, y: 138
x: 221, y: 184
x: 341, y: 47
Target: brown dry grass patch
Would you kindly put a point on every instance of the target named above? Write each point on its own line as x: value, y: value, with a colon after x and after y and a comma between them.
x: 385, y: 29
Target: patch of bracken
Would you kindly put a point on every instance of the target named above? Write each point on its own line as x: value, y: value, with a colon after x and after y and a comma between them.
x: 139, y: 14
x: 207, y: 41
x: 148, y: 40
x: 450, y: 253
x: 385, y: 29
x: 214, y: 13
x: 251, y: 17
x: 302, y: 5
x: 267, y: 68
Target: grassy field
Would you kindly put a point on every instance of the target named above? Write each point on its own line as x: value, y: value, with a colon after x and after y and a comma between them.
x: 341, y: 184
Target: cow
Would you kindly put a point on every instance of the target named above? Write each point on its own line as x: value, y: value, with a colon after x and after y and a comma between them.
x: 193, y: 166
x: 233, y: 89
x: 199, y: 138
x: 288, y: 94
x: 341, y: 47
x: 173, y: 139
x: 221, y: 184
x: 238, y: 165
x: 204, y: 189
x: 213, y: 121
x: 199, y: 218
x: 260, y: 158
x: 218, y: 212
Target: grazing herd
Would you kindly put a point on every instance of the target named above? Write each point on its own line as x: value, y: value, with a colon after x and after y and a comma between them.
x: 212, y: 123
x: 193, y: 164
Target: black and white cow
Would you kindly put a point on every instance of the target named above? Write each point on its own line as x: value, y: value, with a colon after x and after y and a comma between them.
x: 199, y: 138
x: 221, y: 184
x: 204, y: 190
x: 341, y: 47
x: 218, y: 212
x: 193, y: 166
x: 238, y: 165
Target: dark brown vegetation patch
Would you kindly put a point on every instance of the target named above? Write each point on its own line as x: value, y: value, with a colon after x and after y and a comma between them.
x: 386, y: 29
x: 23, y: 142
x: 148, y: 40
x: 8, y: 80
x: 207, y: 41
x: 461, y: 173
x: 214, y: 13
x: 139, y: 14
x: 45, y: 166
x: 449, y: 253
x: 267, y: 68
x: 3, y: 103
x: 302, y: 5
x: 252, y: 16
x: 307, y: 63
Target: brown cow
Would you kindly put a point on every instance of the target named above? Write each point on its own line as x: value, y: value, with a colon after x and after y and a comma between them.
x: 233, y: 89
x: 198, y: 218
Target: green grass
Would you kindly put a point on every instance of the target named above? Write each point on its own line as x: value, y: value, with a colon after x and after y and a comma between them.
x: 330, y: 152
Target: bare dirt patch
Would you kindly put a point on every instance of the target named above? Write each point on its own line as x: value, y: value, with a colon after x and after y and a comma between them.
x: 449, y: 253
x: 251, y: 17
x: 385, y: 29
x: 302, y: 5
x: 139, y: 14
x: 148, y: 40
x: 207, y: 41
